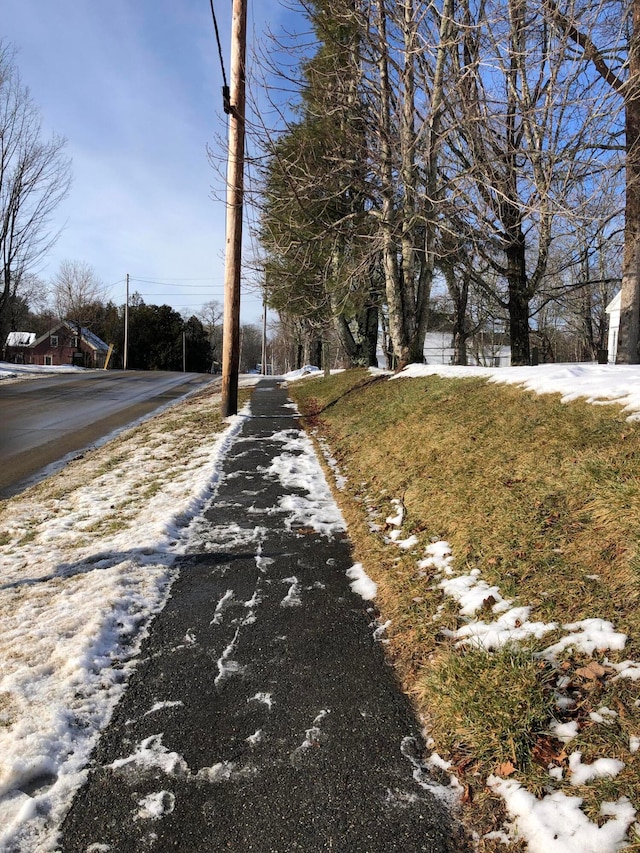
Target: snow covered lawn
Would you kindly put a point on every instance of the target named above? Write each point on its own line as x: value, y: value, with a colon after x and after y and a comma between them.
x: 86, y: 560
x: 598, y: 384
x: 9, y: 372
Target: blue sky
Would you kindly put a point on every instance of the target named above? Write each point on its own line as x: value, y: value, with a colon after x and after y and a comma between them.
x: 135, y: 87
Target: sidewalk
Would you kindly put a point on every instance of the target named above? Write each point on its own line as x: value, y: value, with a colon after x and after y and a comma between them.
x: 262, y: 716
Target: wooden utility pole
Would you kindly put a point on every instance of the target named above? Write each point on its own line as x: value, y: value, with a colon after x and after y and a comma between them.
x: 264, y: 370
x: 235, y: 189
x: 125, y: 356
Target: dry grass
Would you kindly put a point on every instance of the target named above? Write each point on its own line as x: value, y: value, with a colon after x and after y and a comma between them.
x: 544, y: 499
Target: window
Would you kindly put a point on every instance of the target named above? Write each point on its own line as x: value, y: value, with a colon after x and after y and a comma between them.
x: 54, y: 341
x: 74, y: 342
x: 48, y: 361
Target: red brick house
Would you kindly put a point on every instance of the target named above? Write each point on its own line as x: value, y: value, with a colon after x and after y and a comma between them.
x: 57, y: 347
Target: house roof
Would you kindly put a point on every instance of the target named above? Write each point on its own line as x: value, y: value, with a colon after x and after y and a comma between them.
x: 94, y: 341
x: 20, y: 339
x: 88, y: 337
x: 614, y: 305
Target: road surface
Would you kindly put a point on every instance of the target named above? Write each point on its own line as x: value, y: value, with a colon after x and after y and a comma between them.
x: 42, y: 421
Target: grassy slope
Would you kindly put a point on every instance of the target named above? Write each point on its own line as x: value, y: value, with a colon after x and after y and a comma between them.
x: 544, y: 499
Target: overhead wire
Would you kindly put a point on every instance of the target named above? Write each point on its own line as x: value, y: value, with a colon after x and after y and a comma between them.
x: 226, y: 92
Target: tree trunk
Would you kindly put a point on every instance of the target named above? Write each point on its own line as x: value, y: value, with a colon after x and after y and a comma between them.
x: 392, y: 271
x: 519, y: 325
x: 629, y: 333
x: 370, y: 335
x: 459, y: 293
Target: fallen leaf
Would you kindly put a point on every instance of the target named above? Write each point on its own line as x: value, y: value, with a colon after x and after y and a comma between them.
x: 548, y: 751
x: 592, y: 671
x: 505, y: 769
x: 622, y: 711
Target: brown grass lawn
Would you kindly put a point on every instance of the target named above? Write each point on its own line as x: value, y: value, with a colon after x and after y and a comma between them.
x: 543, y: 498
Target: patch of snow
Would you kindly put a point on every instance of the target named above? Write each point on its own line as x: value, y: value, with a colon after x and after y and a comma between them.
x: 159, y: 706
x: 381, y: 630
x: 564, y: 732
x: 627, y: 669
x: 421, y: 773
x: 601, y: 768
x: 556, y: 823
x: 302, y: 373
x: 155, y: 806
x: 438, y: 557
x: 397, y: 519
x: 265, y: 698
x: 361, y: 583
x: 292, y: 598
x: 408, y: 543
x: 472, y: 594
x: 510, y: 627
x: 226, y: 666
x: 297, y: 468
x: 588, y: 636
x: 221, y: 606
x: 151, y: 754
x: 255, y: 738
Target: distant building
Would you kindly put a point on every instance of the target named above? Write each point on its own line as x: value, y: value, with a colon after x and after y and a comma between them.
x: 613, y: 310
x: 59, y: 346
x: 17, y: 345
x: 487, y: 349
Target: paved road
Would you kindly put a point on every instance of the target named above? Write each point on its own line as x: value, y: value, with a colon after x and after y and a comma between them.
x: 262, y: 715
x: 43, y: 420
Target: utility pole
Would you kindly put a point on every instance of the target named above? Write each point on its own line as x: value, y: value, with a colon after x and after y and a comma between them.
x: 235, y: 189
x: 264, y: 370
x: 125, y: 357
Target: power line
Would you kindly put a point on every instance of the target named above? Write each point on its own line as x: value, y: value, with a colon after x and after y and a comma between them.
x: 226, y: 96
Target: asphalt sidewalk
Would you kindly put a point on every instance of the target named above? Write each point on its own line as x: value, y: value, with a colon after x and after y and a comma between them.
x: 262, y: 715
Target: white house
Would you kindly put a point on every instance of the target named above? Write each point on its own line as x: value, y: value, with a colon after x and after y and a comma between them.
x: 613, y: 310
x: 482, y: 350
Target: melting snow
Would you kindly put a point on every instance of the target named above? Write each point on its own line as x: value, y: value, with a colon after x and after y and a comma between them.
x: 556, y: 823
x: 361, y: 583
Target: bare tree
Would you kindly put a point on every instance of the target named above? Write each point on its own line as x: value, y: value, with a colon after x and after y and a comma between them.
x: 78, y: 295
x: 211, y: 315
x: 617, y: 61
x: 35, y: 175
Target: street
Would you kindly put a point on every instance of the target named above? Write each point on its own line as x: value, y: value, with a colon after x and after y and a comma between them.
x: 45, y: 420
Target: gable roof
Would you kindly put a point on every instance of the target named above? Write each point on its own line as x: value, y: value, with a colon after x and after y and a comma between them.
x: 20, y: 339
x: 88, y: 337
x: 615, y: 303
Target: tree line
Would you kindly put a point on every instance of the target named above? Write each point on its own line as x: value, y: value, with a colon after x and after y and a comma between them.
x: 471, y: 152
x: 159, y: 337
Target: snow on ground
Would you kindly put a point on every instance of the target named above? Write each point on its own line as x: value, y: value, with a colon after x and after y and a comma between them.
x: 600, y: 384
x: 14, y: 372
x: 554, y: 823
x: 86, y: 560
x: 297, y: 468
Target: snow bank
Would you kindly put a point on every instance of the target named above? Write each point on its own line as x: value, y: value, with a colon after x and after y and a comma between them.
x: 596, y: 383
x: 82, y: 573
